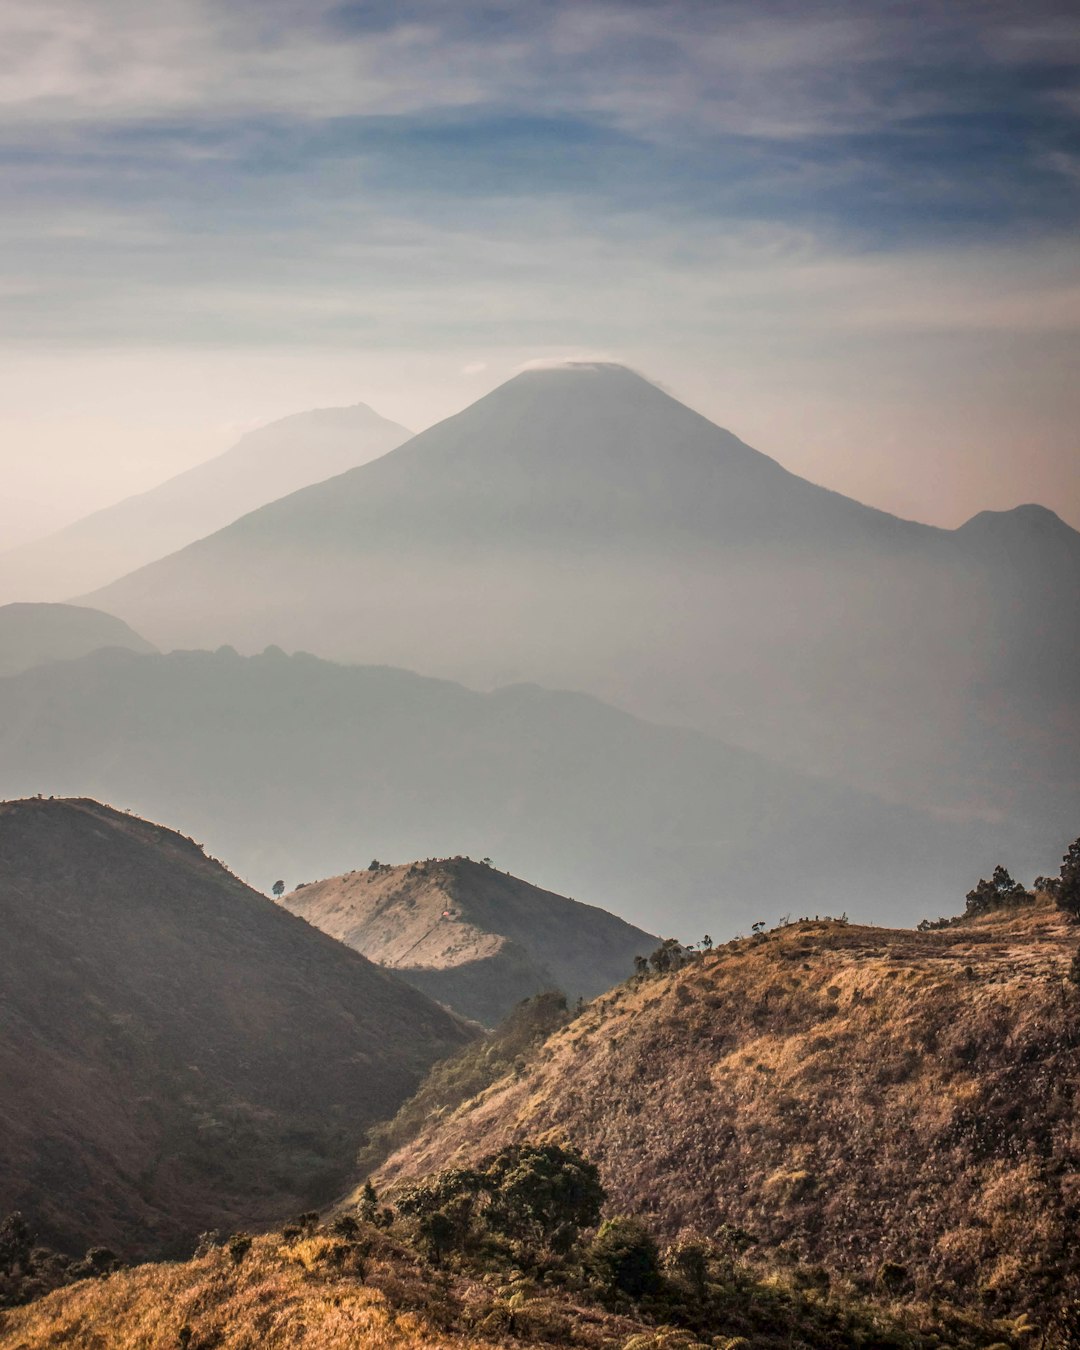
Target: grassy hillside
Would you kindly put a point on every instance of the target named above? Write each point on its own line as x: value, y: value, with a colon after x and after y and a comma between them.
x: 848, y: 1096
x: 350, y: 1285
x: 177, y: 1052
x: 471, y: 936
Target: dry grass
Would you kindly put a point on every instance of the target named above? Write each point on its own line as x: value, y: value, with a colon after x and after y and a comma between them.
x: 272, y: 1299
x: 474, y: 938
x: 847, y: 1095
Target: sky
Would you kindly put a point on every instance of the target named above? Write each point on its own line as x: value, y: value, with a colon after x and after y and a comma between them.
x: 845, y: 231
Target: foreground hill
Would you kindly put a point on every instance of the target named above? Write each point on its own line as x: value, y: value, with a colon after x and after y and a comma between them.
x: 582, y: 529
x: 178, y: 1053
x: 263, y: 465
x: 291, y: 767
x: 32, y: 634
x: 472, y: 937
x: 849, y: 1096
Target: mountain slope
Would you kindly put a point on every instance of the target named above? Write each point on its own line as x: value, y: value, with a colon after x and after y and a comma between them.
x: 32, y: 634
x: 470, y: 936
x: 328, y: 1291
x: 847, y: 1095
x: 581, y: 529
x: 265, y: 464
x: 291, y: 767
x: 177, y: 1053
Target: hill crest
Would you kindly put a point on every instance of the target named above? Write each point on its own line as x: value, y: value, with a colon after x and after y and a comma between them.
x: 471, y: 936
x: 178, y: 1053
x: 847, y: 1095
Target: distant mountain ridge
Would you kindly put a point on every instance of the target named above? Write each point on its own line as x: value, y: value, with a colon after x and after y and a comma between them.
x: 33, y: 634
x: 291, y: 766
x: 579, y: 528
x: 177, y: 1052
x: 267, y: 463
x: 475, y: 938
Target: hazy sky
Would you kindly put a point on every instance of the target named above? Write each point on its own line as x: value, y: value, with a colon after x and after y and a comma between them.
x: 847, y: 231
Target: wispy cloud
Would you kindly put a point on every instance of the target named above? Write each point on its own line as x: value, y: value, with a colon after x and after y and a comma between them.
x: 554, y: 176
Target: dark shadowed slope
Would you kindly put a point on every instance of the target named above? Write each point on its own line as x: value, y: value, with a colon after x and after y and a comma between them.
x: 847, y: 1095
x: 177, y: 1053
x: 265, y: 464
x: 32, y: 634
x: 471, y: 936
x: 581, y: 529
x: 293, y: 767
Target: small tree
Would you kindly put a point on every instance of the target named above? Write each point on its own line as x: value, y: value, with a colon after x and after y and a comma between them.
x: 542, y: 1192
x: 279, y: 888
x: 368, y: 1208
x: 1066, y: 890
x: 999, y: 893
x: 624, y: 1257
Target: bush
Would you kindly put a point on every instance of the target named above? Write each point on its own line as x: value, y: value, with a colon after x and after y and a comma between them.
x: 624, y: 1257
x: 544, y: 1192
x: 530, y: 1193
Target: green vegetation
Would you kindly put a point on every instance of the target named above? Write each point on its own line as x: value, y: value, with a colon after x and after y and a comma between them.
x: 1065, y: 888
x: 465, y: 1075
x: 1001, y: 892
x: 506, y: 1253
x: 29, y: 1270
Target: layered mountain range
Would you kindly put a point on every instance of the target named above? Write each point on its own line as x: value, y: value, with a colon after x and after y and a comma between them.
x: 35, y: 634
x: 582, y: 529
x: 265, y: 464
x: 292, y: 767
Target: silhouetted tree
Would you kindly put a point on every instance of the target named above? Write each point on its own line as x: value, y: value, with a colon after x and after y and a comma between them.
x: 1066, y: 891
x: 1002, y: 892
x: 279, y: 888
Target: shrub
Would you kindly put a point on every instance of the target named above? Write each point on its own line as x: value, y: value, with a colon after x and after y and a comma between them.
x: 542, y: 1191
x: 624, y: 1257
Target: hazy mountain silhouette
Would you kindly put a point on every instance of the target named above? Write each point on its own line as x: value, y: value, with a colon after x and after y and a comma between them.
x: 475, y: 938
x: 292, y: 767
x: 177, y: 1052
x: 580, y: 528
x: 265, y: 464
x: 32, y: 634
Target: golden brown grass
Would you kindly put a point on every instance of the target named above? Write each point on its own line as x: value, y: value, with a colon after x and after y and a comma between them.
x: 847, y: 1095
x: 274, y: 1299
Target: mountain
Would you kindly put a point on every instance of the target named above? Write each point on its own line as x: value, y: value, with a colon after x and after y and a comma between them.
x: 846, y: 1096
x: 177, y: 1052
x: 265, y: 464
x: 293, y: 767
x: 580, y: 528
x: 32, y: 634
x: 470, y: 936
